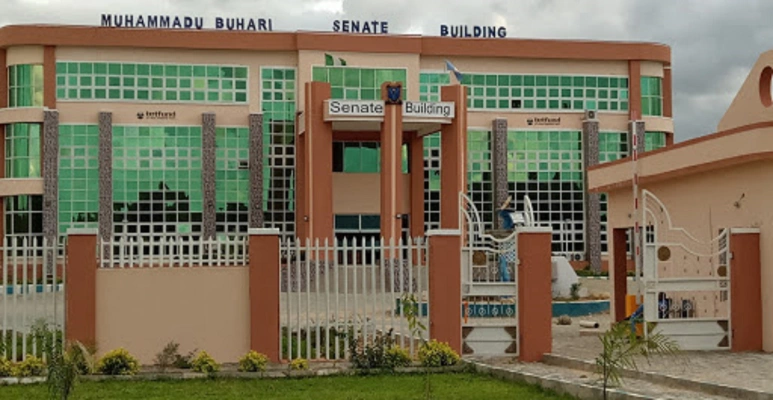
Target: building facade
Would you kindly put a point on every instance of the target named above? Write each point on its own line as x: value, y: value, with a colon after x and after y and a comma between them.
x: 149, y: 132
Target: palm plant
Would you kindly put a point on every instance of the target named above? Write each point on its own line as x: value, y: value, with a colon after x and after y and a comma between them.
x: 621, y: 347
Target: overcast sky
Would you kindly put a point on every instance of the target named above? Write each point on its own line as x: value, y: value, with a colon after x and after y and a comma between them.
x: 714, y: 43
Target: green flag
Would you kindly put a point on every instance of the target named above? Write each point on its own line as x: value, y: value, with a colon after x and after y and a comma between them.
x: 333, y: 61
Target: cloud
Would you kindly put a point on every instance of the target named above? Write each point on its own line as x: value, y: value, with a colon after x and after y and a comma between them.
x: 714, y: 43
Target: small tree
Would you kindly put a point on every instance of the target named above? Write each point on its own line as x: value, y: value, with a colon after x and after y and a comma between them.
x: 411, y: 307
x: 621, y: 346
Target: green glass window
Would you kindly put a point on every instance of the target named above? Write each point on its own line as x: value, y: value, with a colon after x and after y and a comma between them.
x: 278, y: 91
x: 22, y: 150
x: 357, y: 223
x: 654, y: 140
x: 547, y: 166
x: 547, y: 92
x: 651, y: 96
x: 430, y: 84
x: 232, y: 179
x: 23, y: 218
x: 352, y: 83
x: 432, y: 181
x: 480, y: 180
x: 152, y: 82
x: 612, y: 146
x: 362, y: 157
x: 25, y: 85
x: 157, y: 180
x: 78, y: 176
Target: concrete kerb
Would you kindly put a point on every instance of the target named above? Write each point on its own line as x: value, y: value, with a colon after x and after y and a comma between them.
x: 663, y: 379
x: 579, y: 390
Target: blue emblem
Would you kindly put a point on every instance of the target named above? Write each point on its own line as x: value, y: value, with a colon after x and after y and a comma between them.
x: 394, y: 93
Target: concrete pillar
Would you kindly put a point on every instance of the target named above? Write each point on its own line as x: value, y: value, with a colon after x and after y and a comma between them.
x: 256, y: 171
x: 745, y: 290
x: 416, y: 160
x: 208, y: 165
x: 667, y: 93
x: 445, y: 286
x: 499, y: 157
x: 453, y: 158
x: 49, y: 77
x: 535, y: 300
x: 634, y: 90
x: 590, y: 148
x: 105, y: 175
x: 618, y: 272
x: 81, y: 286
x: 50, y: 158
x: 264, y: 292
x: 318, y: 165
x: 391, y: 165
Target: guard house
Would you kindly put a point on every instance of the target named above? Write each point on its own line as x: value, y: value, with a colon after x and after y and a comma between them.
x: 398, y: 126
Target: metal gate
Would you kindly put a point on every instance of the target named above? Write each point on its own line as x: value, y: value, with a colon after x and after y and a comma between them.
x: 686, y: 281
x: 489, y: 287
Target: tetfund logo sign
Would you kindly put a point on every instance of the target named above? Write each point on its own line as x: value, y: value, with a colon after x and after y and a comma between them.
x: 156, y: 115
x: 542, y: 121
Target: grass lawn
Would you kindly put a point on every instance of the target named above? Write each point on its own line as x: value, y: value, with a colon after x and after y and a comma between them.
x: 399, y: 387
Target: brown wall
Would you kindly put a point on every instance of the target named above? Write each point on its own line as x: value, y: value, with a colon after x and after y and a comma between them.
x: 361, y: 193
x: 142, y: 309
x: 745, y: 291
x: 730, y: 197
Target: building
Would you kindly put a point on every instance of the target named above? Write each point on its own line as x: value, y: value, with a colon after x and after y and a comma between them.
x: 194, y: 132
x: 713, y: 188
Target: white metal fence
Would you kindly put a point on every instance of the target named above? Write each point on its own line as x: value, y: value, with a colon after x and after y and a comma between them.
x: 336, y: 293
x: 173, y: 251
x: 32, y: 297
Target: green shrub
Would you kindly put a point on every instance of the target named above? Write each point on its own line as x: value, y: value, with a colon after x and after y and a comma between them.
x: 32, y: 366
x: 437, y: 354
x: 299, y: 364
x: 205, y: 363
x: 397, y: 357
x: 118, y: 362
x: 253, y: 362
x: 5, y: 367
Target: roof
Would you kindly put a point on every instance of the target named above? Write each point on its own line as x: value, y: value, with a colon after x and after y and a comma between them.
x: 71, y: 35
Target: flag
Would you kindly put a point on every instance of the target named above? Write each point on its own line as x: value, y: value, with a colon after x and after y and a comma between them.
x: 452, y: 68
x: 334, y: 61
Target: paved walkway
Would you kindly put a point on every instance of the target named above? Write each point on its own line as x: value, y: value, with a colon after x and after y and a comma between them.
x: 746, y: 370
x: 634, y: 386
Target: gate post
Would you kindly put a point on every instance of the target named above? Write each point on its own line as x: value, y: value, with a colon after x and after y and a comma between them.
x: 745, y: 290
x: 264, y: 267
x: 535, y: 297
x: 80, y: 285
x: 445, y: 287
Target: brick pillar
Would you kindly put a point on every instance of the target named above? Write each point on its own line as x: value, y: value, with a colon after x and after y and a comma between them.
x: 453, y: 157
x: 264, y: 292
x: 416, y: 160
x: 445, y: 287
x: 590, y: 148
x: 81, y: 286
x: 208, y: 164
x: 256, y: 171
x: 499, y: 157
x: 618, y: 272
x: 535, y: 301
x: 745, y: 290
x: 105, y: 175
x: 50, y: 158
x: 391, y: 168
x: 49, y: 77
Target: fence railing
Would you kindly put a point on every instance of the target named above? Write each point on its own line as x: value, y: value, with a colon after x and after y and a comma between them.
x: 32, y: 296
x: 173, y: 251
x: 335, y: 293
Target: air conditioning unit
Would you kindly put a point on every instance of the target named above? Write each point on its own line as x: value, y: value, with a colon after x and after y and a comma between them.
x: 590, y: 115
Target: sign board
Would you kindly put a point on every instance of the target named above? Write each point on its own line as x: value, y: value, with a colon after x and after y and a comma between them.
x: 543, y: 121
x: 355, y: 108
x: 426, y: 109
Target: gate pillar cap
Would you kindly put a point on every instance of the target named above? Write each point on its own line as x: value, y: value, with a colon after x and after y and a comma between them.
x: 444, y: 232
